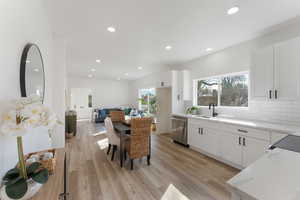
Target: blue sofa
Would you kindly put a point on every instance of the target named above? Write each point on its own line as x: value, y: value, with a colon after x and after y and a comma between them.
x: 103, y: 113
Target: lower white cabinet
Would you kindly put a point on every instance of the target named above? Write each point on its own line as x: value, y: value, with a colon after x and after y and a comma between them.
x: 236, y: 146
x: 210, y: 141
x: 203, y: 138
x: 230, y: 148
x: 253, y: 149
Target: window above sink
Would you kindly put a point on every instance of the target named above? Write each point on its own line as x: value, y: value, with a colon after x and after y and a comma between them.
x: 230, y: 90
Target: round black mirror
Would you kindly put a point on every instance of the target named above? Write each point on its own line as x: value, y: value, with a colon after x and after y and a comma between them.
x: 32, y: 77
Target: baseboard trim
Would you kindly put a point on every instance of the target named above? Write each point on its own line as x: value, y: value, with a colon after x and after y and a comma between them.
x: 217, y: 158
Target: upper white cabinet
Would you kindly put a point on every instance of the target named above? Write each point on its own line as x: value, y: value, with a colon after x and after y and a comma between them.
x: 275, y: 72
x: 287, y: 70
x: 262, y: 73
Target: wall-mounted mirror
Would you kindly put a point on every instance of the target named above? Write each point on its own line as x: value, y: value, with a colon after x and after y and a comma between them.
x: 32, y: 77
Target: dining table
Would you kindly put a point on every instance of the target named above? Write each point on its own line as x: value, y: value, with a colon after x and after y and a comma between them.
x: 123, y: 130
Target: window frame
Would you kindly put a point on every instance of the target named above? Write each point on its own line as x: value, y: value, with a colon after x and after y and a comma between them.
x: 148, y: 98
x: 195, y: 82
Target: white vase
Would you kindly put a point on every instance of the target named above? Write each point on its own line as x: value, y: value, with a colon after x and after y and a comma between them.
x: 33, y: 188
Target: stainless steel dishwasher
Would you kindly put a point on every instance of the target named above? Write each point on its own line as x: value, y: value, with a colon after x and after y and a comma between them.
x: 179, y: 130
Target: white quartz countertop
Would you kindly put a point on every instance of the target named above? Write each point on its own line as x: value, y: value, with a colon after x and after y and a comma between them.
x: 275, y: 176
x: 289, y: 129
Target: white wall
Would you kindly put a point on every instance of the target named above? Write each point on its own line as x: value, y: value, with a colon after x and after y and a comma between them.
x: 22, y: 22
x: 238, y: 58
x: 150, y: 81
x: 106, y: 93
x: 59, y: 89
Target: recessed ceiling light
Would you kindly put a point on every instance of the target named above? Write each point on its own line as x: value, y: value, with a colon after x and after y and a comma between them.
x: 111, y: 29
x: 98, y: 61
x: 168, y: 47
x: 119, y: 79
x: 126, y: 74
x: 36, y: 70
x: 90, y: 75
x: 93, y: 70
x: 209, y: 49
x: 140, y: 68
x: 233, y: 10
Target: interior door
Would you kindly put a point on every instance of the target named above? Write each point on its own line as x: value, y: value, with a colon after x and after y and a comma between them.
x: 262, y: 73
x: 287, y: 70
x: 230, y: 147
x: 79, y: 102
x: 253, y: 149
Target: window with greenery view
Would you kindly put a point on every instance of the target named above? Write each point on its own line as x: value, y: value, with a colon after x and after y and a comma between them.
x: 227, y: 90
x: 147, y: 100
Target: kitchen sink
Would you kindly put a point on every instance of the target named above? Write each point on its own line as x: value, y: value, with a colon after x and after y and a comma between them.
x: 205, y: 116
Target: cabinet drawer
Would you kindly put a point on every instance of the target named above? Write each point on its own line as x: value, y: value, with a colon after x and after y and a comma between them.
x: 249, y: 132
x: 203, y: 123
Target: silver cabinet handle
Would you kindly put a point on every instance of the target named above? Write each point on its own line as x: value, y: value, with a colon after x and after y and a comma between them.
x: 242, y: 131
x: 240, y: 140
x: 270, y: 94
x: 201, y: 131
x: 244, y: 141
x: 276, y: 95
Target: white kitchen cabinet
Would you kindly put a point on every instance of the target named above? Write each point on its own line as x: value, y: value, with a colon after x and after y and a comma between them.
x: 275, y: 72
x: 233, y: 144
x: 262, y: 74
x: 253, y: 149
x: 231, y: 148
x: 287, y: 70
x: 203, y: 138
x: 181, y: 90
x: 209, y: 138
x: 194, y: 135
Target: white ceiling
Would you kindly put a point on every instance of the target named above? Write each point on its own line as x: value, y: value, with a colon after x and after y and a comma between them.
x: 145, y: 27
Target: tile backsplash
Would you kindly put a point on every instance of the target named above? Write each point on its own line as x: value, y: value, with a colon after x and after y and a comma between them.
x: 287, y: 112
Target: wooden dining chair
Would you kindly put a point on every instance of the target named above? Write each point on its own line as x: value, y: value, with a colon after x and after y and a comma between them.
x: 113, y: 138
x: 117, y: 116
x: 138, y: 143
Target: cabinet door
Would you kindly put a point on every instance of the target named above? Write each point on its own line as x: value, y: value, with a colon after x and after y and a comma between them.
x: 193, y: 135
x: 230, y: 149
x: 262, y: 73
x: 253, y: 149
x: 287, y: 70
x: 209, y: 141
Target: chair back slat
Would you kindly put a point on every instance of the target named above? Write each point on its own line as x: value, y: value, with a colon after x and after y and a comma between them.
x: 139, y: 138
x: 117, y: 116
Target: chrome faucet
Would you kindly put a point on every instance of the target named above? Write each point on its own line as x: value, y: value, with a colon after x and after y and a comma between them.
x: 214, y: 114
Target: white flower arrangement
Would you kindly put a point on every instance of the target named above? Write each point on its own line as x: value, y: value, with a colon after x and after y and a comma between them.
x: 27, y: 113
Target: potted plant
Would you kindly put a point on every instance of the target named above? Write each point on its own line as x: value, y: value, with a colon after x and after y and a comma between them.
x: 22, y: 182
x: 192, y: 110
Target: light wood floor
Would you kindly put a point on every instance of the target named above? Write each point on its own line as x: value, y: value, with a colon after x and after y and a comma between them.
x: 93, y: 176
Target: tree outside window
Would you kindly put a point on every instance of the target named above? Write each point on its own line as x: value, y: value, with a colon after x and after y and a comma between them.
x: 227, y: 90
x: 148, y: 100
